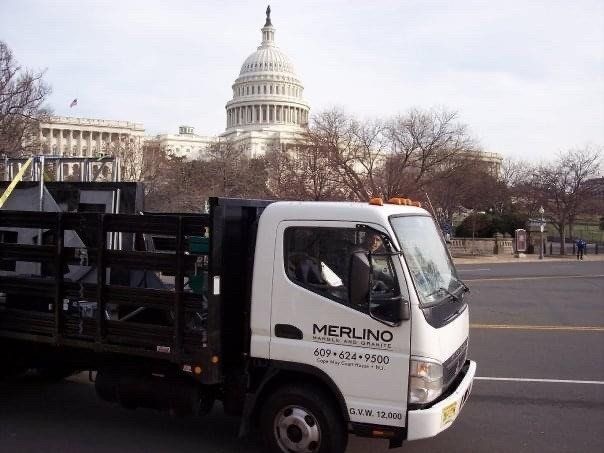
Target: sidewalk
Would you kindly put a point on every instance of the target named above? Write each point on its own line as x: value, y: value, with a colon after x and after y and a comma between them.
x: 526, y: 259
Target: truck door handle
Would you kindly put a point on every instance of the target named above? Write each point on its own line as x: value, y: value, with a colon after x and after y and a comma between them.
x: 288, y: 331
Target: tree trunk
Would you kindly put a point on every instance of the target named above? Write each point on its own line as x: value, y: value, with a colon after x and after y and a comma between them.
x: 562, y: 240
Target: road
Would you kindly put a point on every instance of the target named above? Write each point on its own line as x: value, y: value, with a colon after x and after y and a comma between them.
x: 530, y: 321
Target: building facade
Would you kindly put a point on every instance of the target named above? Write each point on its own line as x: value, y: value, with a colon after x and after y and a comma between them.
x: 267, y: 108
x: 68, y: 136
x: 186, y: 143
x: 492, y: 161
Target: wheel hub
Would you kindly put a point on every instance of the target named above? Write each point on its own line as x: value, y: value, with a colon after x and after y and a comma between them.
x: 296, y: 430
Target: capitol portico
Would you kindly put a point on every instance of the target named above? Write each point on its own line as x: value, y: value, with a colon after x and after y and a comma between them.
x: 68, y: 136
x: 267, y: 107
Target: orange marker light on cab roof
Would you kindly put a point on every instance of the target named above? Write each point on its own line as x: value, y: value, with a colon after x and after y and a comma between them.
x: 404, y: 202
x: 400, y: 201
x: 376, y: 201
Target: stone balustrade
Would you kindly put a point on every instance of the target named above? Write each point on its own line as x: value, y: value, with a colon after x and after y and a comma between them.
x: 481, y: 246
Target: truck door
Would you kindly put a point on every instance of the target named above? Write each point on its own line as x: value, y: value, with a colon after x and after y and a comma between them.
x: 314, y: 322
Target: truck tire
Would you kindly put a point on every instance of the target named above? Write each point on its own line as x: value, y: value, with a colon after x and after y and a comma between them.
x: 299, y: 418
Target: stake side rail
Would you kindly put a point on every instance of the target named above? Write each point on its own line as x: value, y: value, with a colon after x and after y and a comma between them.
x: 138, y: 303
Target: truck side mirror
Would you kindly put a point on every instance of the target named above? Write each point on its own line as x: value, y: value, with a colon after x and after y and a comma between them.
x: 358, y: 279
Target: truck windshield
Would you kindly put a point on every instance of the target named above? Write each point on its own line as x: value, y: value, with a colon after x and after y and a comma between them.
x: 429, y: 263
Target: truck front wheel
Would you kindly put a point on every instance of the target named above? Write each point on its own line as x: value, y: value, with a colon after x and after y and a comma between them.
x: 302, y: 419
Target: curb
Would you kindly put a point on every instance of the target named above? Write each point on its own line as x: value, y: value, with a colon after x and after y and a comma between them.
x: 526, y: 259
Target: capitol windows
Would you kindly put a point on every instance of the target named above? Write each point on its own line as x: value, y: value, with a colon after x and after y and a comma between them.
x: 253, y: 89
x: 264, y: 89
x: 247, y: 90
x: 271, y: 89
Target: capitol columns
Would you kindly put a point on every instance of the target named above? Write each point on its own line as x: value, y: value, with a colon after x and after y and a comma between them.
x: 100, y: 142
x: 69, y: 142
x: 89, y: 144
x: 50, y: 137
x: 60, y: 143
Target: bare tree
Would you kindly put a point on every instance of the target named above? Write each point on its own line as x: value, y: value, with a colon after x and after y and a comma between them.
x: 302, y: 172
x: 131, y: 153
x: 564, y: 188
x: 422, y: 143
x: 514, y: 172
x: 335, y: 135
x: 22, y: 94
x: 464, y: 182
x: 385, y: 158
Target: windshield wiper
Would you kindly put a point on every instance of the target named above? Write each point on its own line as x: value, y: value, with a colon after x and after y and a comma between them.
x: 452, y: 296
x: 466, y: 288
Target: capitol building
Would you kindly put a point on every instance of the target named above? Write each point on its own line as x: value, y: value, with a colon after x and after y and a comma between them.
x: 267, y: 110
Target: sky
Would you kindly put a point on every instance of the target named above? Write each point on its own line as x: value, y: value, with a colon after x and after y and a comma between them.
x: 527, y: 77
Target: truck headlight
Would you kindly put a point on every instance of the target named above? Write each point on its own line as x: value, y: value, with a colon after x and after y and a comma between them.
x: 425, y: 380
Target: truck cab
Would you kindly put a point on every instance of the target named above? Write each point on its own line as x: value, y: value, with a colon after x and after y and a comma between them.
x: 363, y: 300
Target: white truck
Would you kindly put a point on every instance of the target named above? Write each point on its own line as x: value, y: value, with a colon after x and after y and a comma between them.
x: 311, y: 320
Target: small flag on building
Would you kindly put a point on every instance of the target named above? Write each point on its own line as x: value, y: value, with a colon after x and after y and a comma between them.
x: 73, y: 103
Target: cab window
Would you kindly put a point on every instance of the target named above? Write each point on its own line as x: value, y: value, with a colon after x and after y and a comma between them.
x: 318, y: 259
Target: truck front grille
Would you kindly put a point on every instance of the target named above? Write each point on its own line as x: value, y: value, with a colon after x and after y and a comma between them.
x: 453, y: 364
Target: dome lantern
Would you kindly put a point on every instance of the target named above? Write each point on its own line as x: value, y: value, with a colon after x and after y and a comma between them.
x: 268, y: 31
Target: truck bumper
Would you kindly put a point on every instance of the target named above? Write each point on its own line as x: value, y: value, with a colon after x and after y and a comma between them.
x: 422, y: 423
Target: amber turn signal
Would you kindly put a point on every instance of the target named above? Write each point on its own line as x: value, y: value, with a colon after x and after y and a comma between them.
x: 404, y: 202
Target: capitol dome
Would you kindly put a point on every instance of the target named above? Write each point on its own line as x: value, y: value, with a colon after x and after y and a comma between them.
x: 267, y: 95
x: 267, y: 58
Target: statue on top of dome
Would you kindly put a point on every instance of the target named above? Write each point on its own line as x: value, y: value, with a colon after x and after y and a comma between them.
x: 268, y: 17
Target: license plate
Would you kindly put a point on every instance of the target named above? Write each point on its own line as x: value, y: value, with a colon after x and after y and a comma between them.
x: 448, y: 413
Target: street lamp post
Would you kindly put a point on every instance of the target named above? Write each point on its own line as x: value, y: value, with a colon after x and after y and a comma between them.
x: 542, y: 228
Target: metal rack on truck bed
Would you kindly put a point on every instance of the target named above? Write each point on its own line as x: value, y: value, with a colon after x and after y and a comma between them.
x: 135, y: 302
